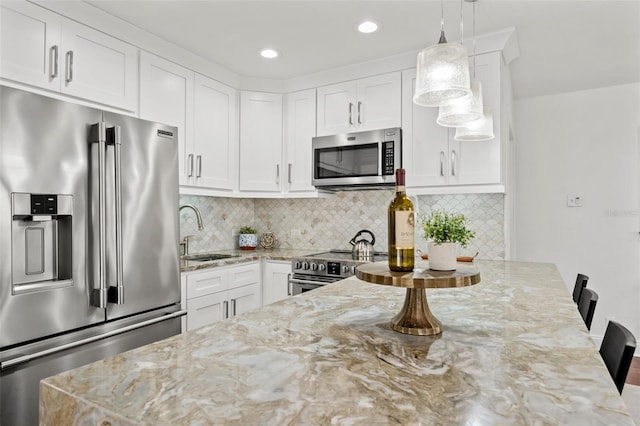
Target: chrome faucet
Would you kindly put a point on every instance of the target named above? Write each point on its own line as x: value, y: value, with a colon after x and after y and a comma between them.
x: 185, y: 240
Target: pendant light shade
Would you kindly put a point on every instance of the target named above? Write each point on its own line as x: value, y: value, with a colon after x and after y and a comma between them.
x: 463, y: 110
x: 479, y: 130
x: 442, y: 74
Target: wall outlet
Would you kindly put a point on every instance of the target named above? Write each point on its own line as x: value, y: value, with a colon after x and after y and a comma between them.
x: 574, y: 201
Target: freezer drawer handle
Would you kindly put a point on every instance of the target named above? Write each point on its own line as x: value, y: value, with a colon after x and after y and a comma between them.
x: 26, y: 358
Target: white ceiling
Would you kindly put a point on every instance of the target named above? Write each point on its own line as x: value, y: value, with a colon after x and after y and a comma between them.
x: 564, y: 45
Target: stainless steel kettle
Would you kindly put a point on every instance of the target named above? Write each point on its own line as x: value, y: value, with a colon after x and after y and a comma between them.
x: 363, y: 249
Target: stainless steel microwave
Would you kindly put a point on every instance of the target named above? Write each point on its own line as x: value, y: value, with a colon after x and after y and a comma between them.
x: 362, y: 160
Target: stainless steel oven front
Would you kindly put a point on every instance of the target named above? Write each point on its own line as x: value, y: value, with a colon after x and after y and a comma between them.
x: 301, y: 283
x: 314, y: 271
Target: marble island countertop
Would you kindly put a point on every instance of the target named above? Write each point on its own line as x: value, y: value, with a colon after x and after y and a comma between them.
x: 514, y: 350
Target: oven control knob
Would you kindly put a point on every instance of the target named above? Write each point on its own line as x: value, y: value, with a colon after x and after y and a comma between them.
x: 314, y: 266
x: 353, y: 270
x: 305, y: 265
x: 321, y: 267
x: 345, y: 269
x: 297, y: 265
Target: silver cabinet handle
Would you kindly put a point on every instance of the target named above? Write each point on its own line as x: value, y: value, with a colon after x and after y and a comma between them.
x: 278, y: 174
x: 69, y: 75
x: 225, y: 304
x: 359, y: 108
x: 198, y: 166
x: 53, y: 62
x: 441, y: 163
x: 351, y: 113
x: 233, y: 307
x: 114, y: 137
x: 99, y: 136
x: 289, y: 173
x: 190, y: 165
x: 453, y: 162
x: 289, y: 285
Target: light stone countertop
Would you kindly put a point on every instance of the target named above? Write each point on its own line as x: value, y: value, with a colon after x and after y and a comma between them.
x: 514, y: 350
x: 243, y: 256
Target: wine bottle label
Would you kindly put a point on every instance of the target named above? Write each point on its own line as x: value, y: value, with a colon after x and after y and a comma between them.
x: 404, y: 229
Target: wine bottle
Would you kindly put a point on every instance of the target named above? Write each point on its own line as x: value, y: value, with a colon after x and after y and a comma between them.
x: 401, y: 228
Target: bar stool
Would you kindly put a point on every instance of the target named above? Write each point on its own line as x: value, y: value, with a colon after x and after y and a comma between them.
x: 618, y: 346
x: 581, y: 282
x: 587, y: 306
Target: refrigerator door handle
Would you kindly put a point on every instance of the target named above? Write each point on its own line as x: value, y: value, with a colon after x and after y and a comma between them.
x: 26, y: 358
x: 99, y: 136
x: 116, y: 293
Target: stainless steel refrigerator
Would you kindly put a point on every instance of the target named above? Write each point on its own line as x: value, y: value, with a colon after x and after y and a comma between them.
x: 89, y: 238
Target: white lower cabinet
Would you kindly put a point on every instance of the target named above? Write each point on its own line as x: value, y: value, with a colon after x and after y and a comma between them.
x: 219, y: 293
x: 275, y: 281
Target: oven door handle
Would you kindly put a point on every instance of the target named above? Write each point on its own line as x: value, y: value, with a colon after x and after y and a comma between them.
x: 299, y: 281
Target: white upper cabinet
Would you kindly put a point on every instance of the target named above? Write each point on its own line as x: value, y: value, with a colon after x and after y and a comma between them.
x: 30, y: 45
x: 42, y: 49
x: 215, y: 135
x: 432, y: 157
x: 300, y: 128
x: 166, y: 96
x: 261, y: 142
x: 364, y: 104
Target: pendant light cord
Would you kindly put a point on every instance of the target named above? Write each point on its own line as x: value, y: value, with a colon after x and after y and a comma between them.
x: 474, y: 40
x: 461, y: 23
x: 443, y: 39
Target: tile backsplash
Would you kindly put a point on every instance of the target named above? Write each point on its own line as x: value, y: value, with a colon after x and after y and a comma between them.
x: 329, y: 223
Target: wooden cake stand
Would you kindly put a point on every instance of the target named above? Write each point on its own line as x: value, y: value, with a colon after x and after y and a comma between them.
x: 416, y: 317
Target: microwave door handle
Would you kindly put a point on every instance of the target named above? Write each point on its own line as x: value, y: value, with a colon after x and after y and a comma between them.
x: 116, y: 294
x: 99, y: 295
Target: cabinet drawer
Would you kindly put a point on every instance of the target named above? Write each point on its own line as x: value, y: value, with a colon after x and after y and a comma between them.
x: 244, y: 275
x: 206, y: 282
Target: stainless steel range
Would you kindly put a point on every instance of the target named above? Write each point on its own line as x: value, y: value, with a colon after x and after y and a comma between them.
x: 311, y: 272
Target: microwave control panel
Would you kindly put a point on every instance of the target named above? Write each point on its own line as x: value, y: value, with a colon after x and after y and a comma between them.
x: 388, y: 151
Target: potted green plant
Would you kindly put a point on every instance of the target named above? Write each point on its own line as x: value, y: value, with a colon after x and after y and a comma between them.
x: 445, y: 232
x: 248, y: 238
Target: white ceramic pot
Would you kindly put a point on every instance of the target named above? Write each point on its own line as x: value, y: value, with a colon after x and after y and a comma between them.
x: 248, y: 241
x: 442, y: 257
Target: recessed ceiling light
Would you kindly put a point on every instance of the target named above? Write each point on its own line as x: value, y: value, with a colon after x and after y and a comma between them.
x: 269, y: 53
x: 368, y: 27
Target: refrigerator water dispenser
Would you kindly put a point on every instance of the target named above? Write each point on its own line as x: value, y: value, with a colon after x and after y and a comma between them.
x: 41, y: 235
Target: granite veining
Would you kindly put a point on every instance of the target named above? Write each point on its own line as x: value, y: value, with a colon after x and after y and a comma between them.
x: 513, y: 350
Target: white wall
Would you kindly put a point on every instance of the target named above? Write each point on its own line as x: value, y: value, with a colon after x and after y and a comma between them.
x: 583, y: 143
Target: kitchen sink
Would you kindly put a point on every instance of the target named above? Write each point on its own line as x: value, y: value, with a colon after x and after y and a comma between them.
x: 206, y: 257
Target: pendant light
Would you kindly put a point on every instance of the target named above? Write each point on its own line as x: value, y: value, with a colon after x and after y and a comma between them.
x: 481, y: 129
x: 442, y: 72
x: 463, y: 110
